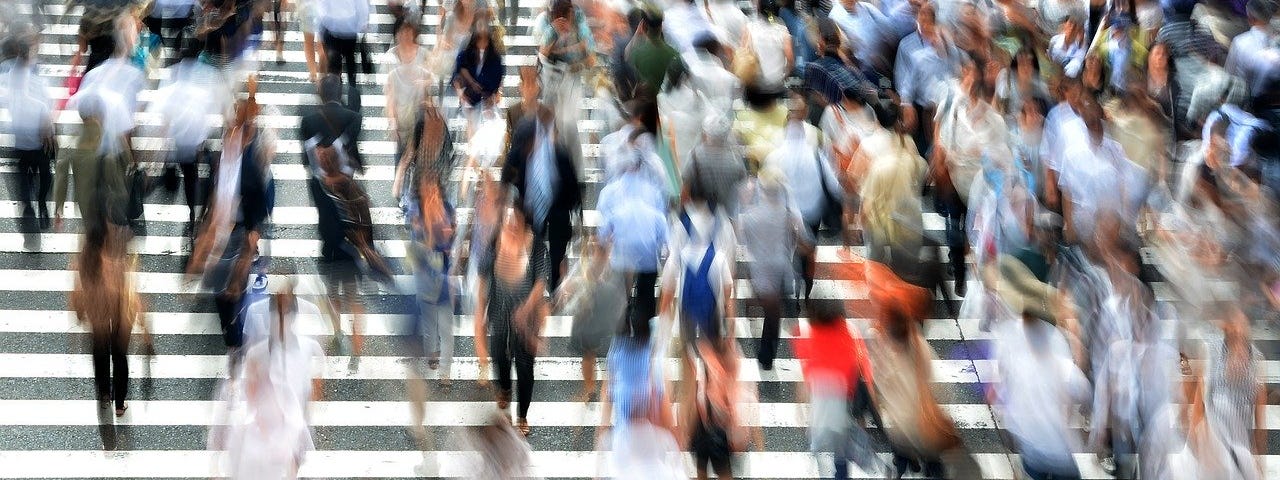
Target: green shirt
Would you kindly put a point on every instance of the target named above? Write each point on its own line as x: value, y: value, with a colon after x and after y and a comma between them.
x: 651, y: 60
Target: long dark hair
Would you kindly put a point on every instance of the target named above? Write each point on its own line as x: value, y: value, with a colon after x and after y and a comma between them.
x: 491, y: 47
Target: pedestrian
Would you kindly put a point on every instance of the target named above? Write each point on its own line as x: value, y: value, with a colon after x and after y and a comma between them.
x: 104, y: 298
x: 478, y: 74
x: 35, y: 142
x: 771, y: 230
x: 837, y: 373
x: 407, y: 81
x: 342, y: 23
x: 542, y: 171
x: 638, y: 427
x: 511, y: 310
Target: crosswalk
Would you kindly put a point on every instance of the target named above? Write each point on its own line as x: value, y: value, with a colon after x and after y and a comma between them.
x: 50, y: 428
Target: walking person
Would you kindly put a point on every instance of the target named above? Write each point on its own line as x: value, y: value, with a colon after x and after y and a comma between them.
x: 105, y: 299
x: 342, y: 22
x: 477, y: 75
x: 407, y: 81
x: 510, y: 312
x: 640, y: 428
x: 836, y: 370
x: 431, y: 232
x: 34, y: 138
x: 542, y: 171
x: 596, y: 296
x: 771, y: 230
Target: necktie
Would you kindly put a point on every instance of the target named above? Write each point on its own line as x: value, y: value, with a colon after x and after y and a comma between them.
x: 541, y: 180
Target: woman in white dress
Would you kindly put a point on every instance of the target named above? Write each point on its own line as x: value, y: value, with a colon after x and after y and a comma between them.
x: 267, y: 432
x: 407, y: 78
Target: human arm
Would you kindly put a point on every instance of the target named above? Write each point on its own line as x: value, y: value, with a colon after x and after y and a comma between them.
x: 480, y: 331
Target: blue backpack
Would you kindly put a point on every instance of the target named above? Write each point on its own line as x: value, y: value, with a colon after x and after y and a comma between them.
x: 698, y: 294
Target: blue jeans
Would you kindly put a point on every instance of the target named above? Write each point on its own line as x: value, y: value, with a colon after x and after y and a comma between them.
x: 434, y: 322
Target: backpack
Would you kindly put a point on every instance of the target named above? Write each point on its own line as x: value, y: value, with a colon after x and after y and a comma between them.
x: 698, y: 293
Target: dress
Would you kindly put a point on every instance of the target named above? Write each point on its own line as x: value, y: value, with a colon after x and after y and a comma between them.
x: 602, y: 306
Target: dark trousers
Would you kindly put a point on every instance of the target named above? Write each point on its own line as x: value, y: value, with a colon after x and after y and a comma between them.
x: 174, y: 26
x: 643, y: 303
x: 767, y: 350
x: 953, y: 209
x: 341, y: 49
x: 110, y: 365
x: 504, y: 349
x: 34, y: 168
x: 188, y: 164
x: 559, y: 233
x: 1040, y: 475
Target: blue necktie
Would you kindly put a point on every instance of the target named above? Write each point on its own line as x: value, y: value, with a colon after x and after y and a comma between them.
x: 541, y: 180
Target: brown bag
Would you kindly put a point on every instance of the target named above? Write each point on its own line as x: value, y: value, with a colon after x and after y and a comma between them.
x: 937, y: 431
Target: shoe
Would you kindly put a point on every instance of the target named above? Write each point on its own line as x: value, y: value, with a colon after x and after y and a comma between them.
x: 120, y: 410
x: 766, y: 366
x: 961, y: 288
x: 522, y: 426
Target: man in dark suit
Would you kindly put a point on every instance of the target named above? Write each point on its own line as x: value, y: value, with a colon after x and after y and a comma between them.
x: 329, y: 123
x: 542, y: 171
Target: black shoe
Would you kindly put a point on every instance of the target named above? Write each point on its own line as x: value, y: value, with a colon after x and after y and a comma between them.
x: 961, y: 288
x: 766, y: 365
x: 45, y: 221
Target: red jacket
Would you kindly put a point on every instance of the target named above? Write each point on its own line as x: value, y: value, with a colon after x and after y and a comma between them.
x: 833, y: 351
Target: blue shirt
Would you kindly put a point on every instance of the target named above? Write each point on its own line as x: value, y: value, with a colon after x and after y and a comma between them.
x: 637, y: 232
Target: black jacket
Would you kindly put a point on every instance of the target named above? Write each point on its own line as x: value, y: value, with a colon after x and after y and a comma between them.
x: 568, y: 195
x: 330, y: 121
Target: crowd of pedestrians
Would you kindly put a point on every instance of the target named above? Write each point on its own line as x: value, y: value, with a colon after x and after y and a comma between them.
x: 1106, y: 175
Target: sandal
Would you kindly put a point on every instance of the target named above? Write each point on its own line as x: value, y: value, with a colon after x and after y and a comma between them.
x: 522, y: 426
x: 504, y: 400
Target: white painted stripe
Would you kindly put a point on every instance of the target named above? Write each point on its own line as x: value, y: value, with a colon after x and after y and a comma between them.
x: 557, y: 326
x: 396, y: 413
x: 455, y: 464
x: 178, y: 283
x: 58, y: 365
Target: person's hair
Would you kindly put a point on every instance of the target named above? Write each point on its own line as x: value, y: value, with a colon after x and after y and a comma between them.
x: 90, y: 262
x: 409, y: 24
x: 825, y: 313
x: 330, y: 88
x: 560, y: 9
x: 768, y: 9
x: 888, y: 113
x: 491, y: 47
x: 644, y: 107
x: 1260, y: 10
x: 709, y: 44
x: 829, y: 34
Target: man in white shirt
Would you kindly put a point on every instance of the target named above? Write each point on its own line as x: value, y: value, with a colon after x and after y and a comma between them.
x: 1096, y: 179
x: 867, y: 29
x: 1253, y: 51
x: 31, y: 112
x: 684, y: 23
x: 341, y: 23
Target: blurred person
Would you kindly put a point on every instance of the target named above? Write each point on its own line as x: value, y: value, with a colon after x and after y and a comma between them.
x: 700, y: 264
x: 715, y: 168
x: 684, y: 23
x: 1254, y: 54
x: 1234, y: 396
x: 838, y: 375
x: 772, y: 231
x: 105, y: 298
x: 478, y: 75
x: 680, y: 117
x: 921, y: 435
x: 926, y: 62
x: 594, y: 293
x: 812, y: 184
x: 649, y: 54
x: 1069, y: 47
x: 456, y: 26
x: 35, y: 142
x: 711, y: 417
x: 511, y: 311
x: 634, y: 230
x: 168, y: 20
x: 796, y: 21
x: 276, y: 382
x: 566, y: 49
x: 717, y: 87
x: 1020, y: 84
x: 728, y: 22
x: 429, y: 151
x: 332, y: 130
x: 342, y: 22
x: 1040, y: 382
x: 432, y: 222
x: 530, y: 90
x: 828, y: 76
x: 632, y: 147
x: 95, y: 38
x: 868, y: 30
x: 638, y: 426
x: 759, y: 126
x: 1096, y: 178
x: 844, y: 126
x: 407, y: 80
x: 1122, y: 47
x: 892, y: 210
x: 967, y: 130
x: 542, y: 171
x: 185, y: 104
x: 307, y: 12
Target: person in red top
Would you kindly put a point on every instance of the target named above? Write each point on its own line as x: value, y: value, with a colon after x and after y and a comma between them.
x: 837, y: 372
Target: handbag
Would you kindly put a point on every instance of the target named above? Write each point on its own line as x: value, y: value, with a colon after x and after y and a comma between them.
x: 833, y: 206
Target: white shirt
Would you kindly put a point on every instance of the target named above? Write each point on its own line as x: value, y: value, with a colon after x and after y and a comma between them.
x: 684, y: 23
x: 1101, y: 179
x: 346, y: 18
x: 768, y: 40
x: 867, y: 28
x: 30, y: 108
x: 797, y: 159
